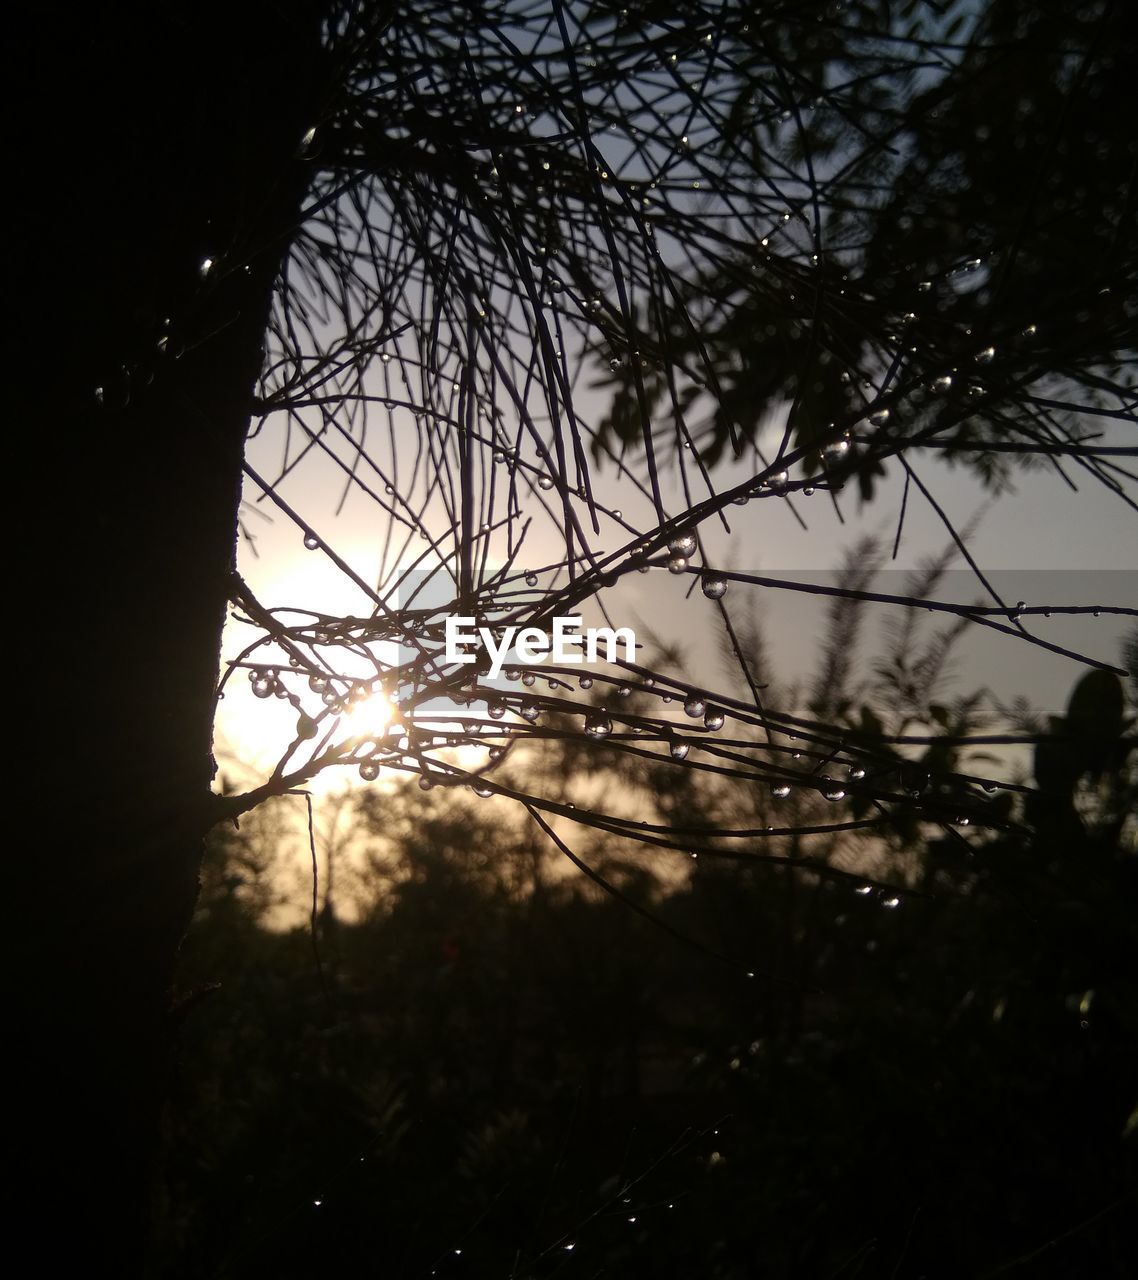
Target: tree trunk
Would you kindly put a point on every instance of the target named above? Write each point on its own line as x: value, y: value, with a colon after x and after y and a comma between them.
x: 147, y: 143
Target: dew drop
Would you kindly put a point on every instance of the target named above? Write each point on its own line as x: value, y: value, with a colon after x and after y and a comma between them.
x: 679, y: 750
x: 713, y: 586
x: 780, y: 790
x: 311, y: 541
x: 879, y: 418
x: 598, y: 726
x: 695, y: 705
x: 545, y: 482
x: 982, y: 357
x: 586, y: 682
x: 496, y: 709
x: 832, y: 790
x: 713, y: 719
x: 677, y: 564
x: 263, y: 685
x: 837, y: 451
x: 624, y: 691
x: 369, y: 770
x: 682, y: 545
x: 942, y: 384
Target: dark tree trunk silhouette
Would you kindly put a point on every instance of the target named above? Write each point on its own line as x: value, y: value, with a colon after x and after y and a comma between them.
x: 158, y: 171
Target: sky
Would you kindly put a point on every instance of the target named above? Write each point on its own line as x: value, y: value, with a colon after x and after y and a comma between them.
x: 1040, y: 543
x: 1044, y: 542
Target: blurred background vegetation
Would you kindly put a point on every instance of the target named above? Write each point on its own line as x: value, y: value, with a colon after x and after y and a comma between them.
x: 477, y: 1061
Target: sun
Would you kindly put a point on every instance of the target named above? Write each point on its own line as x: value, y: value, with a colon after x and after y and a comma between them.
x: 251, y: 733
x: 366, y: 720
x: 369, y: 717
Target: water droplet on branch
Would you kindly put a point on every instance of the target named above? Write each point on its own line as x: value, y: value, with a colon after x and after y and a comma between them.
x: 598, y: 725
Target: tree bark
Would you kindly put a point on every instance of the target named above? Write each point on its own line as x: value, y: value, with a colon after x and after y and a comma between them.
x: 148, y: 142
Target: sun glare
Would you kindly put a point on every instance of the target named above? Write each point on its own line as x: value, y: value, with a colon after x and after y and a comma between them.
x: 368, y: 718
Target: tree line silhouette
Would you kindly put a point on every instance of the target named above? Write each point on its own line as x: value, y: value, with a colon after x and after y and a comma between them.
x: 498, y: 1068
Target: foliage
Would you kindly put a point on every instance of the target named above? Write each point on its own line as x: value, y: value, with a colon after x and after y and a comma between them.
x: 502, y: 1072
